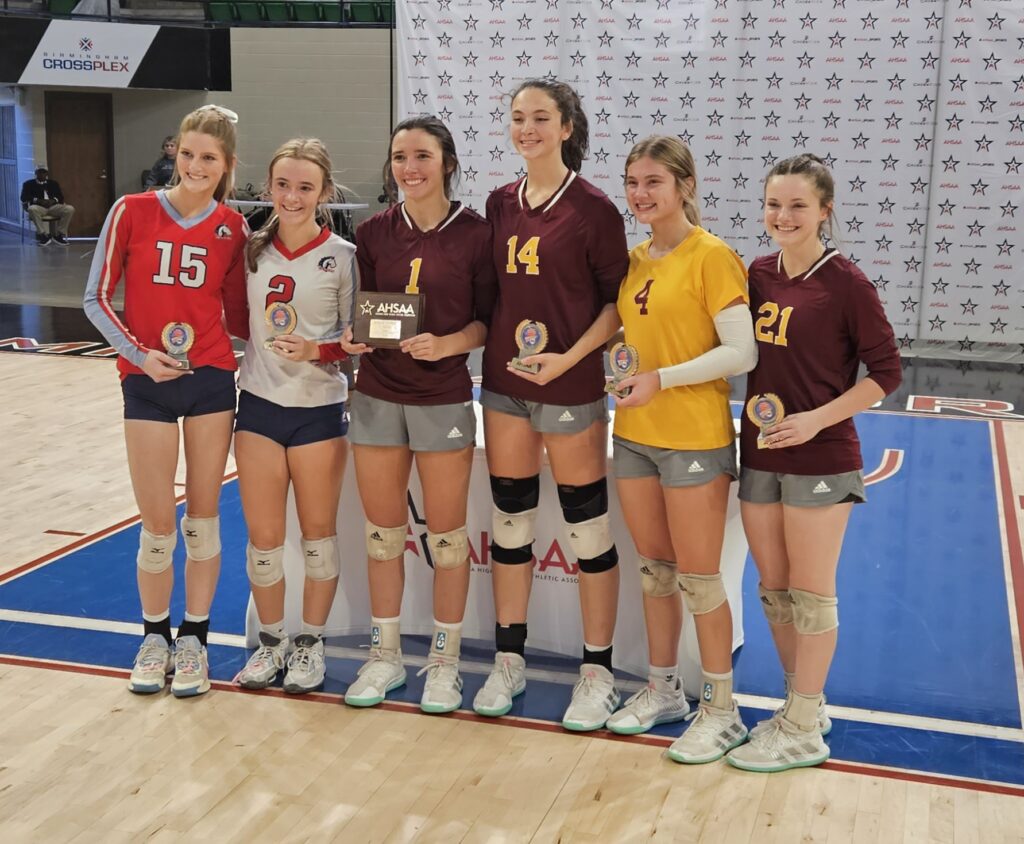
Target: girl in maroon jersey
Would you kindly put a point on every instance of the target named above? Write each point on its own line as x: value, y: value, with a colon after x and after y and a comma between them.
x: 817, y: 317
x: 560, y: 252
x: 179, y: 253
x: 416, y: 402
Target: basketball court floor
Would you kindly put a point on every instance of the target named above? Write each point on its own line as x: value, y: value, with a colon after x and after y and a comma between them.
x: 926, y: 693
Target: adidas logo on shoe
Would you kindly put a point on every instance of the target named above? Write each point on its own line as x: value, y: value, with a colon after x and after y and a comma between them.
x: 566, y: 417
x: 454, y: 433
x: 695, y: 467
x: 822, y: 487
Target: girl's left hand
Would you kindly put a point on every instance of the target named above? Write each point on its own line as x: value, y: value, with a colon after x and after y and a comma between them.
x: 644, y: 386
x: 425, y: 347
x: 294, y: 347
x: 552, y: 365
x: 793, y: 430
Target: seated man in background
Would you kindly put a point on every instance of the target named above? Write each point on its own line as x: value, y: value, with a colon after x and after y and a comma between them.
x: 42, y: 197
x: 161, y: 172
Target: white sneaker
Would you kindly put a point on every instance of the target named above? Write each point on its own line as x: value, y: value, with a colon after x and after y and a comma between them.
x: 824, y: 722
x: 263, y: 666
x: 306, y: 667
x: 712, y: 733
x: 442, y: 691
x: 780, y: 748
x: 594, y: 699
x: 191, y: 669
x: 506, y: 681
x: 152, y: 665
x: 380, y: 674
x: 648, y: 707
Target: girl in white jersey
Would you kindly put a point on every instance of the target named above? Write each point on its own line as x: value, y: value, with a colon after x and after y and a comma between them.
x: 290, y: 426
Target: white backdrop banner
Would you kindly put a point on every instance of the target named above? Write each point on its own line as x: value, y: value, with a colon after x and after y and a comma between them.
x: 915, y: 104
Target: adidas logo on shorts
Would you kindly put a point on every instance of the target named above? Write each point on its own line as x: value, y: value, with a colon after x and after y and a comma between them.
x: 566, y: 417
x: 695, y: 467
x: 454, y: 433
x: 822, y: 487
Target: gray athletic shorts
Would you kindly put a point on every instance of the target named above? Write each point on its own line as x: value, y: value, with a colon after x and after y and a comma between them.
x: 549, y: 418
x: 758, y: 487
x: 421, y: 427
x: 672, y: 467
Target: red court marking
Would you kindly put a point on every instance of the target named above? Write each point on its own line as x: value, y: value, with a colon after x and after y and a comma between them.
x: 892, y: 460
x: 528, y: 724
x: 85, y: 540
x: 1012, y: 527
x: 65, y: 532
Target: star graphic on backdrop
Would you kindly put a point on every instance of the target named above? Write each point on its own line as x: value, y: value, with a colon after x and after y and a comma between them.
x: 998, y: 326
x: 992, y: 62
x: 497, y: 153
x: 953, y: 123
x: 909, y: 305
x: 950, y: 164
x: 497, y: 40
x: 962, y: 39
x: 892, y: 121
x: 661, y: 40
x: 868, y: 21
x: 957, y: 83
x: 987, y: 104
x: 925, y: 102
x: 686, y: 137
x: 470, y: 174
x: 744, y: 100
x: 1005, y: 248
x: 445, y: 78
x: 446, y: 5
x: 524, y: 59
x: 968, y: 306
x: 496, y: 115
x: 444, y: 41
x: 996, y: 21
x: 883, y: 243
x: 419, y: 58
x: 975, y: 228
x: 748, y: 20
x: 445, y: 114
x: 551, y: 39
x: 922, y: 141
x: 768, y: 160
x: 718, y: 39
x: 899, y: 39
x: 777, y: 38
x: 686, y: 100
x: 1008, y: 209
x: 807, y: 21
x: 971, y: 267
x: 742, y: 139
x: 833, y: 81
x: 1017, y: 123
x: 739, y: 181
x: 939, y: 286
x: 928, y: 61
x: 919, y: 185
x: 737, y: 220
x: 524, y: 22
x: 690, y: 21
x: 943, y: 246
x: 771, y: 119
x: 577, y: 59
x: 829, y: 159
x: 983, y: 143
x: 1018, y: 83
x: 578, y: 21
x: 712, y: 158
x: 853, y: 225
x: 658, y: 119
x: 688, y: 60
x: 747, y: 60
x: 946, y: 207
x: 1000, y: 287
x: 866, y: 61
x: 602, y: 116
x: 895, y: 82
x: 470, y: 134
x: 659, y: 80
x: 966, y: 345
x: 802, y: 101
x: 601, y: 156
x: 800, y: 139
x: 915, y: 226
x: 881, y: 282
x: 419, y: 97
x: 979, y: 187
x: 933, y: 20
x: 633, y: 21
x: 633, y: 60
x: 774, y: 80
x: 716, y: 80
x: 631, y: 100
x: 418, y: 22
x: 711, y: 201
x: 629, y: 218
x: 629, y: 136
x: 497, y: 79
x: 603, y: 79
x: 715, y: 119
x: 470, y: 59
x: 886, y: 206
x: 470, y: 98
x: 860, y: 141
x: 912, y: 265
x: 862, y: 102
x: 936, y: 324
x: 805, y: 60
x: 471, y: 23
x: 1012, y: 166
x: 763, y: 239
x: 857, y: 184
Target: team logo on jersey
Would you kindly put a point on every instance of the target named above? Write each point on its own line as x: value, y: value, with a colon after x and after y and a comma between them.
x: 222, y: 231
x: 328, y: 264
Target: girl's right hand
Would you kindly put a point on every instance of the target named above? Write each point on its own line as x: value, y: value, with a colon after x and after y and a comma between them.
x: 162, y: 367
x: 350, y: 348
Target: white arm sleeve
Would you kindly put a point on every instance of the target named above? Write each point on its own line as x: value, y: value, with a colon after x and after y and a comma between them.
x: 736, y: 354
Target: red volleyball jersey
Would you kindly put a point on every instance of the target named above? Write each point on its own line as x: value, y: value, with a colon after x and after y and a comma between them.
x: 174, y: 270
x: 812, y: 333
x: 451, y: 266
x: 558, y: 264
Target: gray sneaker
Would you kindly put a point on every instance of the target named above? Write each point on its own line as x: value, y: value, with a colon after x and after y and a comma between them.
x: 263, y: 666
x: 306, y: 667
x: 712, y: 733
x: 152, y: 665
x: 380, y: 674
x: 780, y: 748
x: 506, y: 681
x: 594, y: 699
x: 442, y: 690
x: 191, y: 669
x: 648, y: 707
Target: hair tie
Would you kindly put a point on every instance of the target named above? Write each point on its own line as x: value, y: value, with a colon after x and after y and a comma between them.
x: 226, y: 113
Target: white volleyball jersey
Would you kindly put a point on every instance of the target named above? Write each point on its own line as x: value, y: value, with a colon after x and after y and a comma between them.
x: 318, y: 281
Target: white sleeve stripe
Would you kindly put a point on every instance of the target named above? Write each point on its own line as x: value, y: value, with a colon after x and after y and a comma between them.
x: 106, y: 280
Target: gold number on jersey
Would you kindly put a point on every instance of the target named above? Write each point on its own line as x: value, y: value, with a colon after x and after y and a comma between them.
x: 527, y: 256
x: 414, y: 276
x: 768, y: 314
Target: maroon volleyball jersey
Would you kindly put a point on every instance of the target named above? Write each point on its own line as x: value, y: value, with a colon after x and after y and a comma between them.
x: 558, y: 264
x: 812, y: 331
x: 451, y: 266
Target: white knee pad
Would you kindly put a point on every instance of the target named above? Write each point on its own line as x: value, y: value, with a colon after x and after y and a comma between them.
x: 777, y: 605
x: 702, y: 593
x: 512, y: 530
x: 591, y: 538
x: 202, y: 537
x: 658, y: 577
x: 265, y: 568
x: 449, y: 550
x: 813, y: 613
x: 156, y: 553
x: 321, y: 557
x: 385, y: 543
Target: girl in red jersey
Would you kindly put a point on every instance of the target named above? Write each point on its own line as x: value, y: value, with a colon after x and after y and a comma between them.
x: 560, y: 251
x: 684, y: 309
x: 179, y: 252
x: 817, y: 317
x: 290, y: 426
x: 416, y: 402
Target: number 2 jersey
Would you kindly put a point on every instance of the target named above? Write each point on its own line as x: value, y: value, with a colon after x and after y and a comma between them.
x: 318, y: 281
x: 451, y: 266
x: 558, y: 264
x: 174, y: 270
x: 812, y: 332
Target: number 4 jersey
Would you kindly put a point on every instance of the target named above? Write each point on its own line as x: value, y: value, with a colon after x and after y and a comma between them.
x: 174, y: 270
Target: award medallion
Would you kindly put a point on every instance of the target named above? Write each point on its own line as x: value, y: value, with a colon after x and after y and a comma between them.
x: 765, y: 410
x: 531, y: 338
x: 178, y: 338
x: 282, y: 319
x: 624, y: 361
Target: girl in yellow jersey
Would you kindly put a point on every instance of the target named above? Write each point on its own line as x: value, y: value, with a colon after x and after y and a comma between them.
x: 684, y: 308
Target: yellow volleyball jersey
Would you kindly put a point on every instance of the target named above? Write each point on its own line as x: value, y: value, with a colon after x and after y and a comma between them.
x: 668, y: 306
